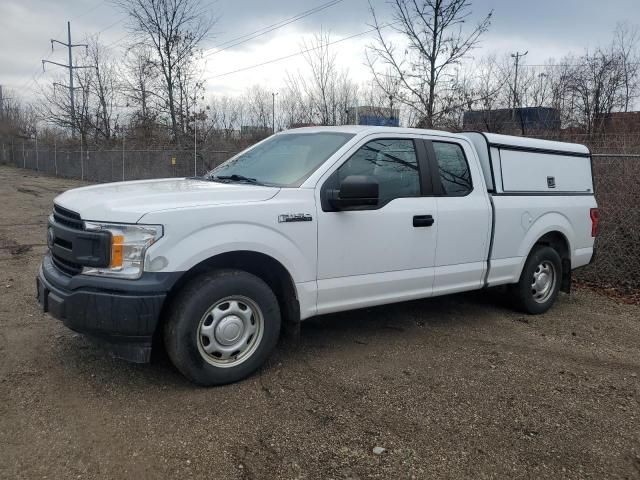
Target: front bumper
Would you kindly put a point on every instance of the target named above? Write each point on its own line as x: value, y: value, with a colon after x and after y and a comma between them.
x: 123, y: 314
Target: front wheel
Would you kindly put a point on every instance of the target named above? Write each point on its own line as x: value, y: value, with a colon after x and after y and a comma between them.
x: 539, y: 283
x: 222, y: 326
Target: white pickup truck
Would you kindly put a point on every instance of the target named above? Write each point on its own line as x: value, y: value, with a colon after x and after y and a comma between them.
x: 312, y: 221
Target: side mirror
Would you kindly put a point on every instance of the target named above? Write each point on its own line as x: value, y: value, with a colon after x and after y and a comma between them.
x: 355, y: 191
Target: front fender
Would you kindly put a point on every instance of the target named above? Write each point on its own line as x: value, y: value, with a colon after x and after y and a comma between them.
x: 297, y: 254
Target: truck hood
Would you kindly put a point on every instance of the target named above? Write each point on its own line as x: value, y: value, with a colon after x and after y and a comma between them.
x: 127, y: 202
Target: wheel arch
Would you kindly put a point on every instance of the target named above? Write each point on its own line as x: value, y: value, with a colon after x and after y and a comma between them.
x: 559, y: 242
x: 263, y: 266
x: 554, y: 236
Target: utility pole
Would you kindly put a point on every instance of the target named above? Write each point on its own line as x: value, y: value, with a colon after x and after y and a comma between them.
x: 70, y: 67
x: 195, y: 131
x: 273, y: 112
x: 517, y: 56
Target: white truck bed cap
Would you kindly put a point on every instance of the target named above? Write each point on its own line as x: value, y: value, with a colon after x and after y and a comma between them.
x: 535, y: 144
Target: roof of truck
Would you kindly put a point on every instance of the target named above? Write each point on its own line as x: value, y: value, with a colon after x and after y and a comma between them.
x: 492, y: 138
x: 355, y: 129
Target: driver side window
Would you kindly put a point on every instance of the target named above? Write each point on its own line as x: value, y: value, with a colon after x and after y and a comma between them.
x: 392, y: 162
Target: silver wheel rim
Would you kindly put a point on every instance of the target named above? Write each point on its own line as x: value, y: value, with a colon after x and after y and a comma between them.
x: 230, y: 331
x: 544, y: 281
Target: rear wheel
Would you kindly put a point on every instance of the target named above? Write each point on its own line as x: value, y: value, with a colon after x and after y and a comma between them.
x: 539, y: 283
x: 222, y: 326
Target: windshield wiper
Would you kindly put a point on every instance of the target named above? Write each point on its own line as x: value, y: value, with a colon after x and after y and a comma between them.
x: 235, y: 178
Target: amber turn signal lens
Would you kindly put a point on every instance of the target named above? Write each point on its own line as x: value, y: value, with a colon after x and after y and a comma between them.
x: 117, y: 247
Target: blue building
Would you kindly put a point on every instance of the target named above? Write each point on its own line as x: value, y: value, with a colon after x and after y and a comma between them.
x: 508, y: 120
x: 374, y: 116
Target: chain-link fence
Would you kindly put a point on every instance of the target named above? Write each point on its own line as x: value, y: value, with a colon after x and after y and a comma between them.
x: 617, y: 260
x: 617, y: 179
x: 111, y: 165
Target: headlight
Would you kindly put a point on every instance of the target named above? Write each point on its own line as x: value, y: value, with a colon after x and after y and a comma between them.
x: 129, y: 244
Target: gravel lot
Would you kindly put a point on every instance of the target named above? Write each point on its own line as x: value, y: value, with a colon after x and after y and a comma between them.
x: 452, y: 387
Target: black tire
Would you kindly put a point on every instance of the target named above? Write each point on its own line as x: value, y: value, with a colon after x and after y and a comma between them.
x: 524, y: 293
x: 187, y: 311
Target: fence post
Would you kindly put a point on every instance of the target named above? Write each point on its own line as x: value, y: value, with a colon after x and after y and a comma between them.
x: 55, y: 155
x: 37, y: 158
x: 123, y: 156
x: 81, y: 162
x: 24, y: 160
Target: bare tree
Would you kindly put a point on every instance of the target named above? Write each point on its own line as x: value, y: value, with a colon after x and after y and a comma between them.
x: 96, y: 96
x: 378, y: 100
x: 597, y: 82
x: 18, y: 119
x: 258, y: 107
x: 320, y: 84
x: 292, y: 108
x: 54, y: 103
x: 139, y: 86
x: 435, y: 42
x: 626, y: 45
x: 174, y: 30
x: 346, y: 96
x: 105, y: 89
x: 324, y: 92
x: 224, y: 115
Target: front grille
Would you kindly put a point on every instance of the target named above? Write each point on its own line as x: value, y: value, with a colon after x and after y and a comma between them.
x: 67, y: 217
x: 72, y: 220
x: 64, y: 266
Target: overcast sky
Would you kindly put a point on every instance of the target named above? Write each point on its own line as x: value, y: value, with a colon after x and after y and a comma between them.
x: 546, y: 28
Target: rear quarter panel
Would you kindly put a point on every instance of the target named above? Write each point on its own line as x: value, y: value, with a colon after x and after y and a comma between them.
x: 520, y: 220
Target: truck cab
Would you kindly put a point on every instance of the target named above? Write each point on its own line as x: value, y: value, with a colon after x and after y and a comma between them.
x: 313, y: 221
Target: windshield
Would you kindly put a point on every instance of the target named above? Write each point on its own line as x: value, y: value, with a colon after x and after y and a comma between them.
x: 282, y: 160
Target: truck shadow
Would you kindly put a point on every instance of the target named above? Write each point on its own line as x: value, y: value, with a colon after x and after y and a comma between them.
x: 369, y: 328
x: 449, y: 311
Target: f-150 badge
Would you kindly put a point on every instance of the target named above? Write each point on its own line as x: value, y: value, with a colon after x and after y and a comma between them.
x: 294, y: 217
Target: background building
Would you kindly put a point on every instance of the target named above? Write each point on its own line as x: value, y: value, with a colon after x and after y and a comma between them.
x: 378, y: 116
x: 509, y: 120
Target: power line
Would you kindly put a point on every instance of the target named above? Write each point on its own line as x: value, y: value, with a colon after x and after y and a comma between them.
x: 270, y: 28
x: 564, y: 65
x: 250, y: 36
x: 221, y: 47
x: 117, y: 41
x: 112, y: 25
x: 301, y: 52
x: 91, y: 9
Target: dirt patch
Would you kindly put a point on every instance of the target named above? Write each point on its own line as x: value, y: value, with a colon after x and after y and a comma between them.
x: 28, y: 191
x: 13, y: 247
x: 622, y: 293
x: 451, y: 387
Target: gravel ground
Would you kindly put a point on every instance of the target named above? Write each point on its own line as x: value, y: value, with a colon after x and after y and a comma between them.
x: 451, y: 387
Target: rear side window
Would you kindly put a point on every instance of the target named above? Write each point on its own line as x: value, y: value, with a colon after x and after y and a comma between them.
x: 393, y: 162
x: 453, y: 169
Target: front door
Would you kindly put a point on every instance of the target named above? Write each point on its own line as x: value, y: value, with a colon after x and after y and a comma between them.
x: 386, y: 252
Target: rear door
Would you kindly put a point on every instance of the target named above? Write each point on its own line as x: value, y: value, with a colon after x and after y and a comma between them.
x: 386, y: 252
x: 464, y: 216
